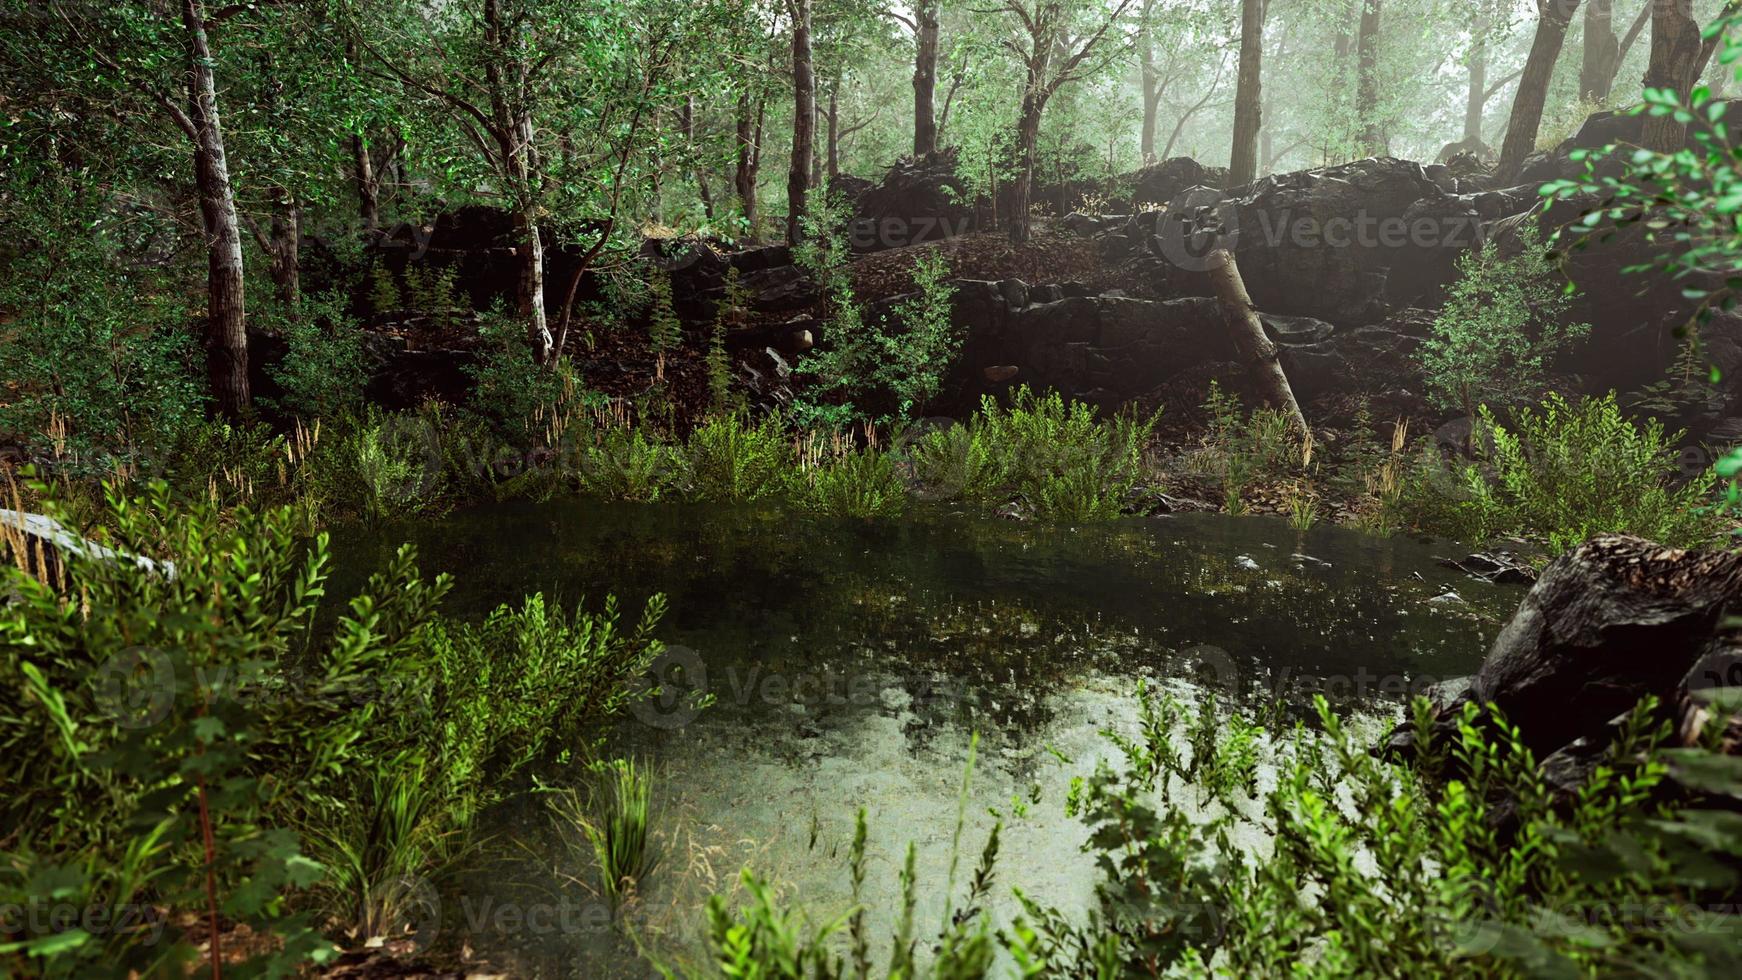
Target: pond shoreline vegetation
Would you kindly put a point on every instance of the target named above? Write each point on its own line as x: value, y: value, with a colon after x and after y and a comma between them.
x: 211, y: 764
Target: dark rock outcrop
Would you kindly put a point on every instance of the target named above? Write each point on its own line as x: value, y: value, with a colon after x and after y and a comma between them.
x: 918, y: 200
x: 1608, y: 624
x: 1346, y: 244
x: 1160, y: 183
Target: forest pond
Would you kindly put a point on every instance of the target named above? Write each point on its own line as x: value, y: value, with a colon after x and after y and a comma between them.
x: 850, y: 665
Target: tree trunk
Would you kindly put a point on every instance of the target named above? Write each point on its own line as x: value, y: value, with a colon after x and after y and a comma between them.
x: 226, y: 312
x: 368, y: 185
x: 804, y: 118
x: 532, y: 284
x: 1150, y: 77
x: 1367, y: 83
x: 284, y: 253
x: 1248, y: 95
x: 1476, y: 101
x: 1676, y: 46
x: 925, y: 78
x: 1254, y: 346
x: 833, y: 167
x: 744, y: 179
x: 1553, y: 19
x: 688, y: 119
x: 1602, y: 48
x: 1027, y: 138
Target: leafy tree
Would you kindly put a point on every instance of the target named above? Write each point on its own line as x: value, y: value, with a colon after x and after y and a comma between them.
x: 1500, y: 328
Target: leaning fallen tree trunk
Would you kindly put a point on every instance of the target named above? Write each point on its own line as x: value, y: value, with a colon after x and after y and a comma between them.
x: 1255, y: 348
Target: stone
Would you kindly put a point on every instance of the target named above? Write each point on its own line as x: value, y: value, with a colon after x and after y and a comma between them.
x: 1607, y: 624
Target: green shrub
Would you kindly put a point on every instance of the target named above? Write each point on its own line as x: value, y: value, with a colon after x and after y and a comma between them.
x: 916, y: 360
x: 1347, y: 865
x: 323, y: 373
x: 529, y: 679
x: 1239, y: 449
x: 1568, y: 471
x: 664, y: 329
x: 623, y: 463
x: 396, y: 465
x: 517, y: 396
x: 870, y: 371
x: 163, y: 702
x: 384, y: 294
x: 733, y: 313
x: 1500, y: 327
x: 434, y: 291
x: 863, y: 485
x: 733, y: 459
x: 95, y: 362
x: 1059, y: 462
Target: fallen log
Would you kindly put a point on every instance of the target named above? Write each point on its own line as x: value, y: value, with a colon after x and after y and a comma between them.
x: 1254, y: 346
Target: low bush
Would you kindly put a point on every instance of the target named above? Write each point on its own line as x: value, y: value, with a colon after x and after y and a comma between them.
x: 323, y: 373
x: 1563, y: 473
x: 1057, y: 461
x: 1468, y: 864
x: 863, y: 485
x: 730, y: 458
x: 622, y: 463
x: 182, y: 740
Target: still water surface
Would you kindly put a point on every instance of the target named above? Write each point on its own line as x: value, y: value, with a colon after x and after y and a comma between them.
x: 851, y: 665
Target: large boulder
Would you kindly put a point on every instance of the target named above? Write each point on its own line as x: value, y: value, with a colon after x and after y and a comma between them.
x: 1349, y: 244
x: 1609, y: 623
x: 1160, y: 183
x: 919, y: 200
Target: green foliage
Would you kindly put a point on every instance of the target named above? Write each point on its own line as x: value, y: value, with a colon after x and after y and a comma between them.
x: 527, y: 680
x: 1469, y: 864
x: 864, y: 485
x: 762, y: 938
x: 384, y: 294
x: 865, y: 370
x: 1500, y: 328
x: 1568, y: 471
x: 664, y: 329
x: 177, y: 698
x: 1686, y: 201
x: 1240, y: 449
x: 394, y: 468
x: 323, y: 373
x: 916, y: 360
x: 732, y: 459
x: 516, y: 395
x: 97, y: 358
x: 616, y: 828
x: 337, y: 769
x: 1058, y: 462
x: 434, y: 290
x: 621, y: 462
x: 733, y: 313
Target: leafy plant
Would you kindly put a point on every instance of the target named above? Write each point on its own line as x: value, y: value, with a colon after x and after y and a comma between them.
x: 870, y: 370
x: 1569, y: 471
x: 323, y: 373
x: 182, y: 694
x: 623, y: 463
x: 1685, y: 201
x: 733, y: 459
x: 616, y: 828
x: 863, y: 485
x: 1058, y: 462
x: 1500, y: 328
x: 664, y: 329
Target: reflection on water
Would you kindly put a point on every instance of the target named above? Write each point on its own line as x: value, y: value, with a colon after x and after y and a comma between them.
x: 850, y: 665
